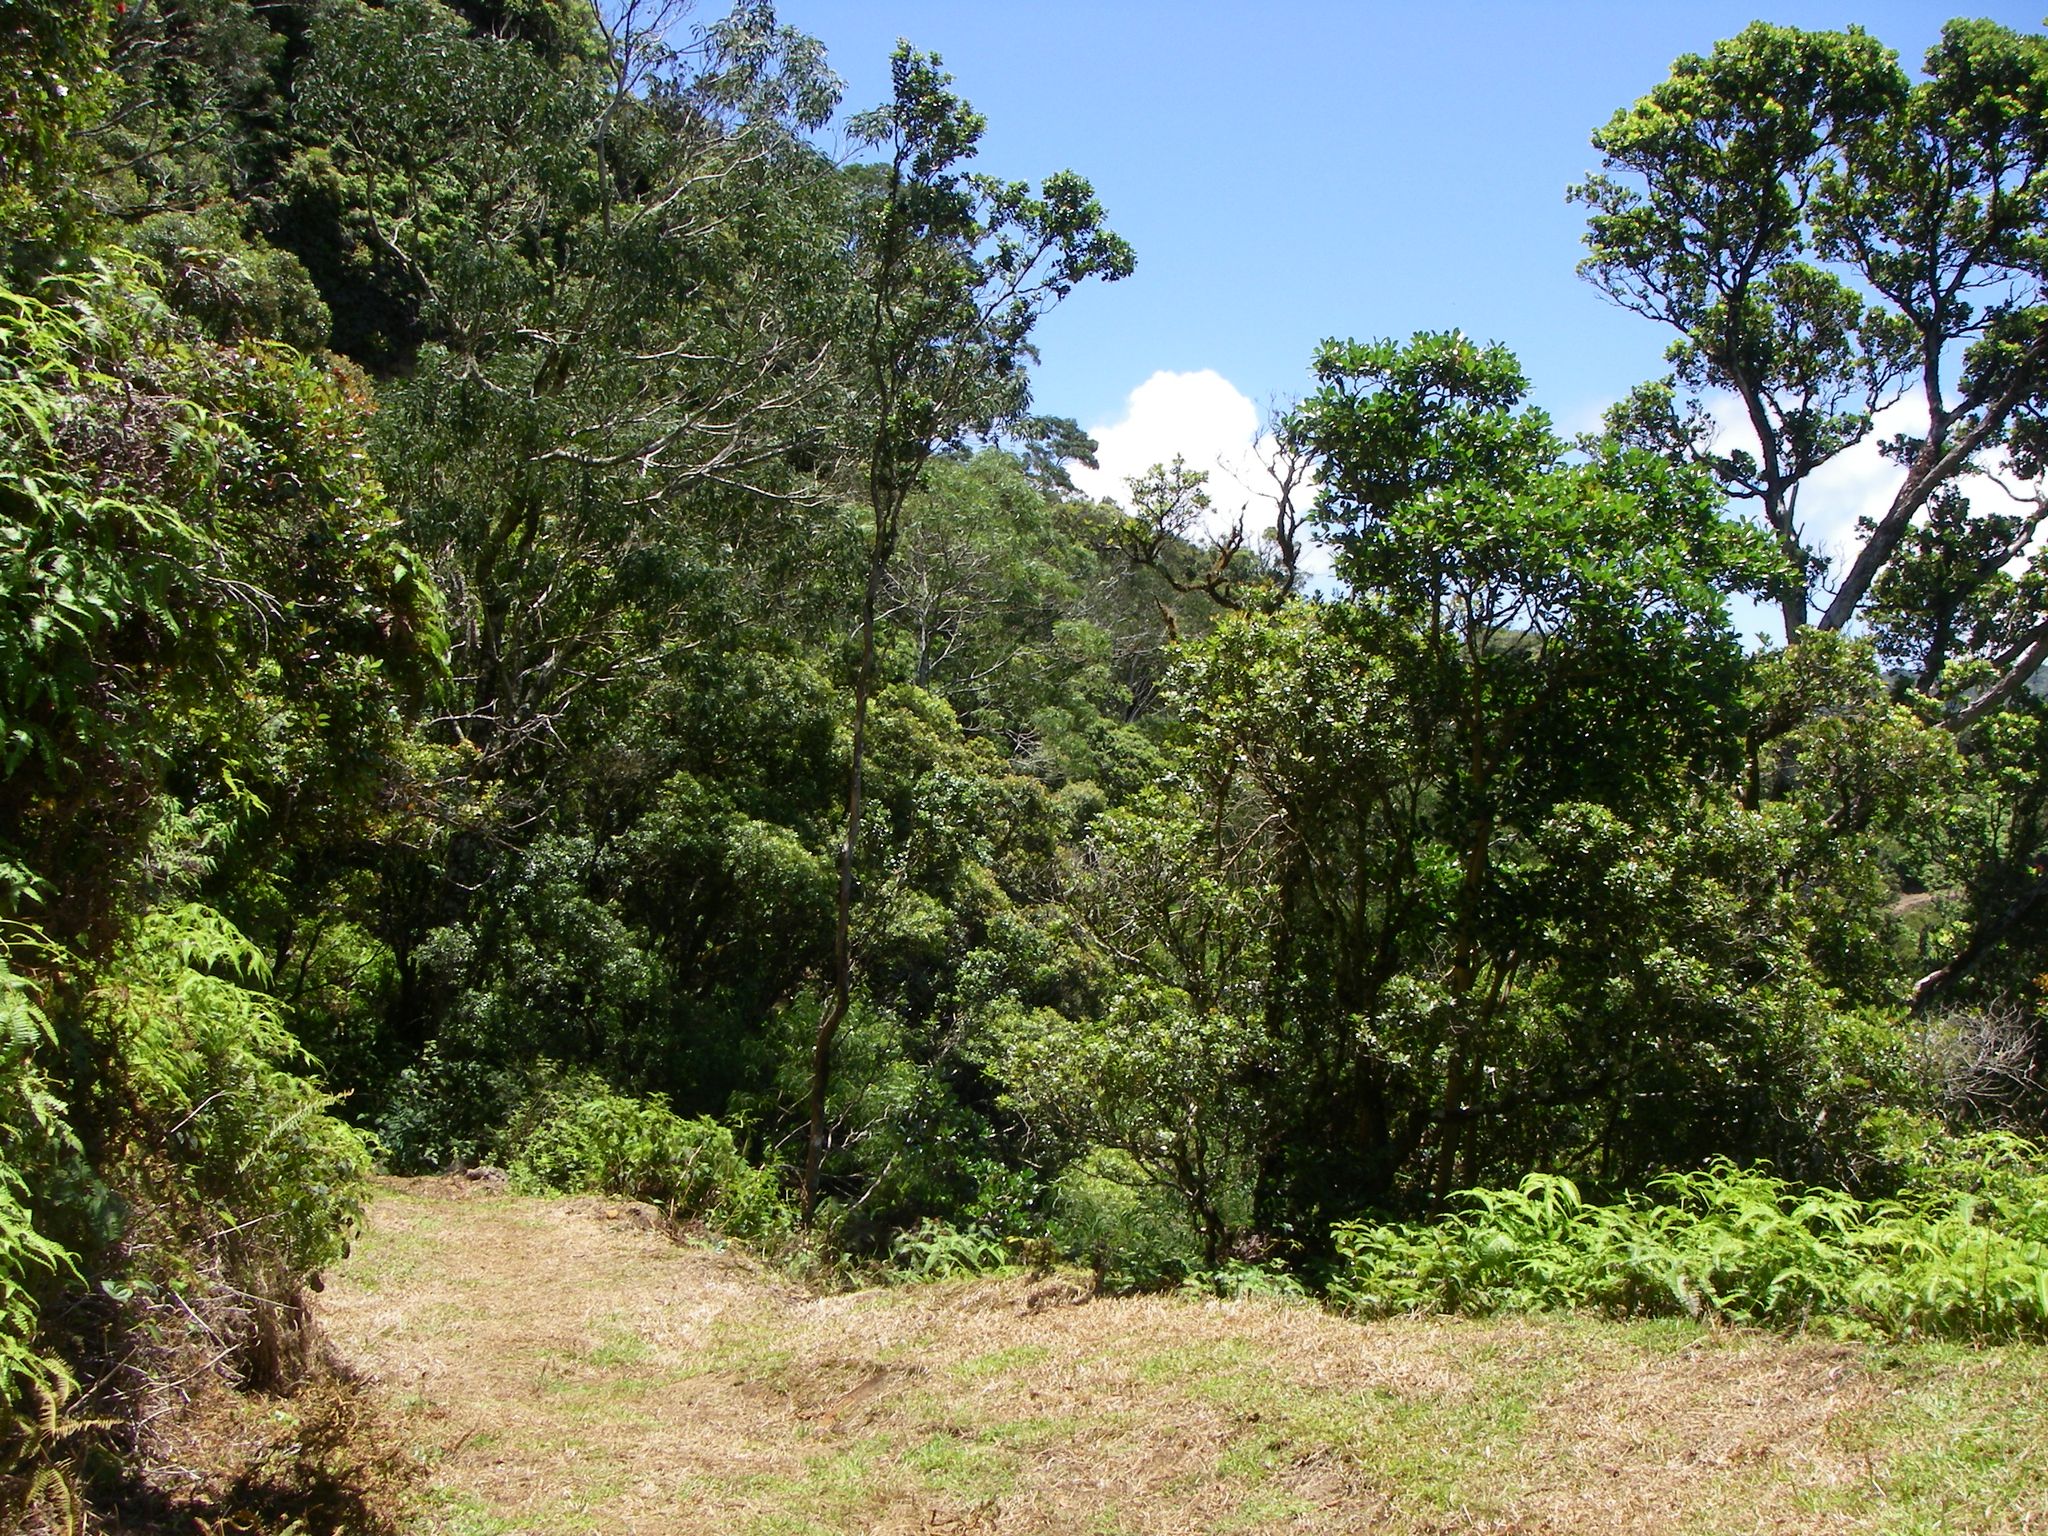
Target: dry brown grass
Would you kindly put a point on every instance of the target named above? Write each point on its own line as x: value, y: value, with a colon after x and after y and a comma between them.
x: 568, y: 1369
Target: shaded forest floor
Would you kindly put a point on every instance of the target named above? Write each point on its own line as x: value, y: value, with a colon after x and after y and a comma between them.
x: 563, y: 1366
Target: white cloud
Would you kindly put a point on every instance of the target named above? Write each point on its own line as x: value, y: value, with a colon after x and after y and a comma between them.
x: 1858, y: 482
x: 1215, y: 427
x: 1209, y: 422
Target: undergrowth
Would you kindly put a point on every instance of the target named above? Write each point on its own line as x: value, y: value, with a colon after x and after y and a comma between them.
x: 140, y: 1270
x: 588, y: 1140
x: 936, y: 1250
x: 1960, y: 1252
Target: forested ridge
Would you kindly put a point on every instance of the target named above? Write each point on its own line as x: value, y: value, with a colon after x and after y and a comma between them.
x: 542, y: 626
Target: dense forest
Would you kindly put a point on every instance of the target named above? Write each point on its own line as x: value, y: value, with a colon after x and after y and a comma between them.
x: 539, y: 627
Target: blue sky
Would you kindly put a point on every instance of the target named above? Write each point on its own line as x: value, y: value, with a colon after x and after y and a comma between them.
x: 1316, y: 168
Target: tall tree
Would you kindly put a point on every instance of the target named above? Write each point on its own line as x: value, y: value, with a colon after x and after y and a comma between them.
x: 622, y: 271
x: 955, y: 270
x: 1827, y: 237
x: 1523, y: 633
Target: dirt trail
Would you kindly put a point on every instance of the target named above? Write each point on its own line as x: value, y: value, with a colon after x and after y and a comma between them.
x: 563, y: 1367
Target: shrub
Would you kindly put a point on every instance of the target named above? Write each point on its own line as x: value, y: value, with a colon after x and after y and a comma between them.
x: 937, y: 1250
x: 596, y: 1141
x: 443, y: 1111
x: 1962, y: 1253
x: 233, y: 1138
x: 1106, y: 1212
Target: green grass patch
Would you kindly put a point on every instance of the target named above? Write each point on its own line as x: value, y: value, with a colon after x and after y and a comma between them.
x: 453, y: 1513
x: 617, y: 1345
x: 1015, y: 1360
x: 1958, y: 1446
x: 1195, y: 1362
x: 963, y: 1469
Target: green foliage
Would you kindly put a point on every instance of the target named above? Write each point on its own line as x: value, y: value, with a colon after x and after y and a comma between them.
x: 1441, y: 490
x: 30, y: 1118
x: 1239, y: 1281
x: 440, y: 1113
x: 39, y: 1469
x: 194, y: 1160
x: 1825, y: 235
x: 953, y: 272
x: 1174, y: 917
x: 28, y: 1263
x: 1109, y: 1213
x: 84, y: 560
x: 937, y: 1250
x: 209, y: 640
x: 586, y: 1139
x: 52, y: 67
x: 1165, y: 1085
x: 238, y: 288
x: 1163, y: 1064
x: 607, y: 278
x: 910, y: 1144
x: 176, y: 512
x: 1962, y: 1252
x: 1525, y: 632
x: 237, y: 1143
x: 960, y: 268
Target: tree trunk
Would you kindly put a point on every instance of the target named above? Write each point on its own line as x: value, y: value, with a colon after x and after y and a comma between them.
x: 842, y: 925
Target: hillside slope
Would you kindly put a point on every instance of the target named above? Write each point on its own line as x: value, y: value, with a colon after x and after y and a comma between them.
x: 562, y: 1367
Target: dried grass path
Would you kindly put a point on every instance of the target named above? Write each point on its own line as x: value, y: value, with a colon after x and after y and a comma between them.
x: 564, y: 1368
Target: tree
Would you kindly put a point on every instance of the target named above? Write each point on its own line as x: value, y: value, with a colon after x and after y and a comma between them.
x: 1827, y: 236
x: 1164, y: 534
x: 1523, y: 633
x: 1173, y: 904
x: 52, y: 75
x: 1170, y: 503
x: 954, y: 271
x: 982, y: 594
x: 615, y: 276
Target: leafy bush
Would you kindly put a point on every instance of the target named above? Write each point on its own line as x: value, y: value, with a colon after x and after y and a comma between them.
x: 937, y: 1250
x: 1955, y: 1255
x: 904, y: 1145
x: 443, y: 1111
x: 28, y: 1258
x: 234, y: 1138
x: 1108, y: 1213
x: 600, y: 1142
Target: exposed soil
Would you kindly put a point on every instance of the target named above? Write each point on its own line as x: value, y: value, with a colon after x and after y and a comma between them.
x: 565, y: 1366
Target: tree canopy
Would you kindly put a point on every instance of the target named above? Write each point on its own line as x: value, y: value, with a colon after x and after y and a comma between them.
x: 540, y: 623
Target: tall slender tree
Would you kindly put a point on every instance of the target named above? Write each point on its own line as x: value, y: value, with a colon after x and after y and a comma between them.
x: 955, y: 270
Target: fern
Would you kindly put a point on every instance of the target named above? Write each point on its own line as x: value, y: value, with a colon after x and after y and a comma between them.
x: 1739, y: 1244
x: 29, y: 1114
x: 589, y: 1139
x: 36, y: 1471
x: 936, y: 1250
x: 217, y: 1076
